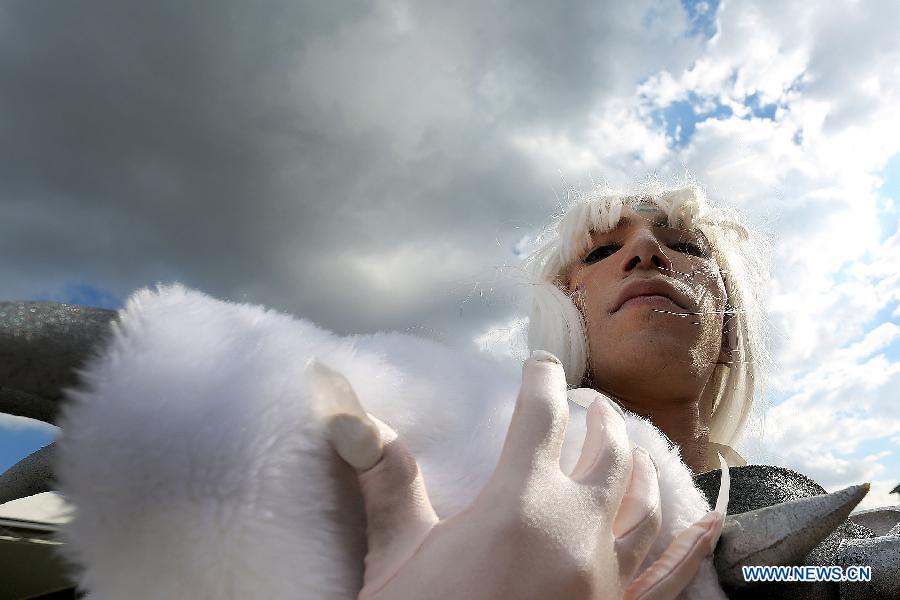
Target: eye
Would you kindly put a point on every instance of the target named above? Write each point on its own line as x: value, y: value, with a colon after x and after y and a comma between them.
x: 601, y: 253
x: 689, y: 248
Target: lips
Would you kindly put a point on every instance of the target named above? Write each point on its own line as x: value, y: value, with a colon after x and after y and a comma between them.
x: 649, y: 287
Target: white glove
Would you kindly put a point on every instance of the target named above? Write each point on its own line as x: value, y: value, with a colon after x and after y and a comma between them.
x: 533, y: 532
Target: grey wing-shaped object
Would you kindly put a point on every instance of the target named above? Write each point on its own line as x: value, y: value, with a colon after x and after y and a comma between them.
x: 41, y: 345
x: 881, y: 521
x: 780, y: 517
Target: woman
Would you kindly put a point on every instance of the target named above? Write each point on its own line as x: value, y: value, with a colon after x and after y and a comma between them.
x: 631, y: 295
x: 692, y: 363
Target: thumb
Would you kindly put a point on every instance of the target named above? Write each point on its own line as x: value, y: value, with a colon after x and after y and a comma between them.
x: 398, y: 512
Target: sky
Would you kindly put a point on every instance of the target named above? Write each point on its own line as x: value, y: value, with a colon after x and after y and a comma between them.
x: 380, y: 166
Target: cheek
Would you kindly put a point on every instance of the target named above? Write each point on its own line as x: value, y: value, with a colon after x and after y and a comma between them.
x: 592, y: 311
x: 589, y: 301
x: 590, y: 291
x: 712, y: 306
x: 582, y: 291
x: 710, y: 288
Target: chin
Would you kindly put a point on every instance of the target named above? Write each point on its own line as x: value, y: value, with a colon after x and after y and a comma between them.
x: 655, y: 340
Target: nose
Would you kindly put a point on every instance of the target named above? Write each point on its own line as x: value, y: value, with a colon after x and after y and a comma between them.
x: 643, y: 251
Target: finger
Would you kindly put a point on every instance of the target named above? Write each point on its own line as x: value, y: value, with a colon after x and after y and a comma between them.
x: 601, y: 417
x: 354, y: 436
x: 606, y: 454
x: 678, y: 565
x: 399, y: 514
x: 398, y: 511
x: 638, y: 521
x: 538, y: 424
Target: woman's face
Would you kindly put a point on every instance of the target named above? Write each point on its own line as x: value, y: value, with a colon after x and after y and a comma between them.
x: 651, y: 349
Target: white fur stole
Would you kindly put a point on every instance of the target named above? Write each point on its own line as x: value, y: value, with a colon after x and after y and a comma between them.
x: 198, y: 468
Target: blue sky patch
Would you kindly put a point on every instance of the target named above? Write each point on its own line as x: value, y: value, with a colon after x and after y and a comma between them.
x: 701, y: 17
x: 760, y: 111
x: 873, y: 446
x: 892, y: 351
x: 84, y: 294
x: 889, y: 206
x: 18, y: 442
x: 680, y: 118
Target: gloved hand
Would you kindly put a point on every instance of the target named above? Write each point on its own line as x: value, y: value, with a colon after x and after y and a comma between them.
x: 533, y: 532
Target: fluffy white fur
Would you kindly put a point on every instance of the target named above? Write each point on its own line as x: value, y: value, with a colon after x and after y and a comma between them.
x: 199, y: 470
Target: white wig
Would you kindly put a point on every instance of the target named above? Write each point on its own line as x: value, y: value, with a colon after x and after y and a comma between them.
x: 556, y: 325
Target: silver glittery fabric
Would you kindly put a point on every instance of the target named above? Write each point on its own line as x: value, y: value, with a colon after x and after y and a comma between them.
x: 40, y: 345
x: 756, y: 486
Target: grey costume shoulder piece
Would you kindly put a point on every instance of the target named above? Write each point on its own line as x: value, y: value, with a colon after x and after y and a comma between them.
x: 870, y: 538
x: 43, y: 344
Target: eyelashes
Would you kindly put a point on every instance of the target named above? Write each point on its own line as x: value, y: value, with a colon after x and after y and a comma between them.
x: 689, y: 248
x: 601, y: 252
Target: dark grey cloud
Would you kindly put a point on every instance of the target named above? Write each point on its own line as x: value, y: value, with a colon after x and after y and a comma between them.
x: 348, y: 162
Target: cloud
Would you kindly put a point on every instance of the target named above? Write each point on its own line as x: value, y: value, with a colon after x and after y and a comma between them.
x: 14, y: 422
x: 248, y: 152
